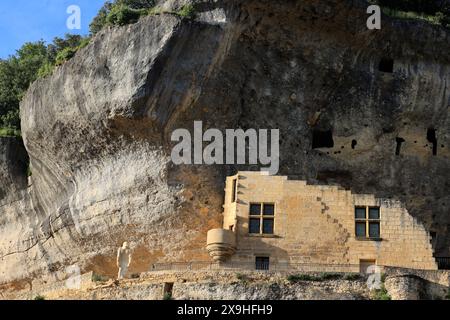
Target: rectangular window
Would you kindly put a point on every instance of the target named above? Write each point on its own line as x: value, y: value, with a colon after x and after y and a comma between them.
x: 360, y: 213
x: 361, y: 229
x: 255, y: 209
x: 269, y: 209
x: 255, y: 226
x: 374, y: 229
x: 262, y: 263
x: 261, y: 218
x: 234, y: 191
x: 374, y: 213
x: 268, y: 226
x: 367, y: 222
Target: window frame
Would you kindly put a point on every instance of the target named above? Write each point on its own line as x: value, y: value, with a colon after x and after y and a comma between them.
x: 234, y: 185
x: 265, y: 263
x: 262, y: 217
x: 367, y: 222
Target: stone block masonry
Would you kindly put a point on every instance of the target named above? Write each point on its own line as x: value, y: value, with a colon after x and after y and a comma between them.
x: 316, y: 224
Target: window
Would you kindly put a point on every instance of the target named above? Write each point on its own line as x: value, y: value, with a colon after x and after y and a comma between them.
x: 386, y: 65
x: 261, y: 218
x: 262, y: 263
x: 234, y: 191
x: 367, y: 222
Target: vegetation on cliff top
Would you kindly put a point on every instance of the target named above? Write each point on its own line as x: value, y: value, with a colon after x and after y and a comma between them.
x: 432, y: 11
x: 36, y: 60
x: 123, y: 12
x: 31, y: 61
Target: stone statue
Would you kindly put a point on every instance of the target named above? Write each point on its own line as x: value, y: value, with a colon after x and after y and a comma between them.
x: 123, y: 260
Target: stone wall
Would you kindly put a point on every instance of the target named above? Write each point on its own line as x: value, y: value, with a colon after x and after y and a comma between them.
x: 316, y: 224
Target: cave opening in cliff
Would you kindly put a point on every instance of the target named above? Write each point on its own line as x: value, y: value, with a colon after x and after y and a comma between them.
x: 322, y: 139
x: 354, y: 143
x: 431, y: 137
x: 386, y: 65
x: 399, y: 142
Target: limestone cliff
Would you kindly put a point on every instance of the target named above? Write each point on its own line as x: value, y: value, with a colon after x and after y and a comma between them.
x: 97, y: 132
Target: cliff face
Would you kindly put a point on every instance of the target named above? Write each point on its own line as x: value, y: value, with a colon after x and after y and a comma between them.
x: 98, y: 130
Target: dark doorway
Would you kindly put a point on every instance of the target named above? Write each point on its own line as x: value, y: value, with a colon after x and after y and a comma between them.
x: 386, y: 65
x: 431, y: 137
x: 399, y: 142
x: 322, y: 139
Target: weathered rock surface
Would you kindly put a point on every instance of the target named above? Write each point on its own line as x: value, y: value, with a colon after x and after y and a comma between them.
x: 400, y: 284
x: 98, y: 130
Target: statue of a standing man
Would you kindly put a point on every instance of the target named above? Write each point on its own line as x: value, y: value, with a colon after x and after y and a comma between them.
x: 123, y: 260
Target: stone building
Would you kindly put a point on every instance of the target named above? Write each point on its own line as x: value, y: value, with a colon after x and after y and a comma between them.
x: 271, y: 221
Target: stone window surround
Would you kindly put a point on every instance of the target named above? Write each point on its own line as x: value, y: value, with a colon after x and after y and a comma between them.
x: 367, y: 221
x: 262, y: 217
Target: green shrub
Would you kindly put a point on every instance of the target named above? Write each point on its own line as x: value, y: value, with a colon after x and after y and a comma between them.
x: 100, y: 20
x: 381, y: 294
x: 65, y: 55
x: 330, y: 276
x: 187, y: 11
x: 155, y: 11
x: 11, y: 119
x: 303, y: 277
x: 46, y: 70
x: 9, y: 132
x: 320, y: 277
x: 122, y: 15
x: 432, y: 11
x: 84, y: 42
x: 39, y: 297
x: 352, y: 276
x: 168, y: 296
x: 68, y: 53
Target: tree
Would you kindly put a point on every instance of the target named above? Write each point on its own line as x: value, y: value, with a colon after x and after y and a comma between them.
x: 31, y: 61
x: 16, y: 74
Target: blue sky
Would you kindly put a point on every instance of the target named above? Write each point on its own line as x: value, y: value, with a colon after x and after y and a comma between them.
x: 31, y: 20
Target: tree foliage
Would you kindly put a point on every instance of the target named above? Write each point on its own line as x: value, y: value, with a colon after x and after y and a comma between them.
x: 31, y: 61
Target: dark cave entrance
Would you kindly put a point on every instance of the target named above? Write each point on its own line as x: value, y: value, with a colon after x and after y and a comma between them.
x: 354, y: 143
x: 386, y: 65
x: 399, y: 142
x: 322, y: 139
x: 431, y: 137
